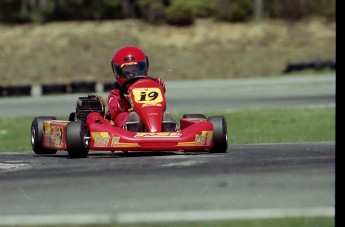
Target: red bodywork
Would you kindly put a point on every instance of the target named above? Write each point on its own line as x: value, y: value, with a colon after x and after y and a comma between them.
x: 148, y: 101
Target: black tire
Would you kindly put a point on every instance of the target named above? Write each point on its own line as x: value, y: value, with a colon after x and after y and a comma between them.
x: 76, y: 132
x: 220, y: 134
x: 37, y: 135
x: 194, y: 116
x: 71, y: 116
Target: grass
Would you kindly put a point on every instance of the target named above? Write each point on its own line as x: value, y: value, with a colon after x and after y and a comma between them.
x: 15, y: 134
x: 244, y: 127
x: 281, y: 125
x: 281, y: 222
x: 62, y: 52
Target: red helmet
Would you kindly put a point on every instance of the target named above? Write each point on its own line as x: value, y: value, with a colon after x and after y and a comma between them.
x: 129, y: 61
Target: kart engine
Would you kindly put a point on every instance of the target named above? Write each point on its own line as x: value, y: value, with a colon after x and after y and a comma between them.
x: 86, y: 105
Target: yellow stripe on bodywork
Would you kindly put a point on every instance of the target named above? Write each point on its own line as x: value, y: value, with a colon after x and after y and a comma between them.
x: 181, y: 144
x: 128, y: 145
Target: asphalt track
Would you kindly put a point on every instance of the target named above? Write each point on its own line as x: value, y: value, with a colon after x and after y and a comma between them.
x: 250, y: 181
x: 203, y: 96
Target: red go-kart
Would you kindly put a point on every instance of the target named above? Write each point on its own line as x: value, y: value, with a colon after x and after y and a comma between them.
x: 82, y: 132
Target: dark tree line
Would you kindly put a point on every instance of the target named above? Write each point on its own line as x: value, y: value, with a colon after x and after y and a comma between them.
x: 178, y: 12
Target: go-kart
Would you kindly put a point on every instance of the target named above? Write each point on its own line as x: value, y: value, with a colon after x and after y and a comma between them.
x: 82, y: 133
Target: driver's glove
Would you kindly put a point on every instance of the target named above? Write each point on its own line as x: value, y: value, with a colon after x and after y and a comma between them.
x: 160, y: 81
x: 123, y: 104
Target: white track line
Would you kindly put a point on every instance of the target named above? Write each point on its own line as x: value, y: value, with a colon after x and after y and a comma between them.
x: 55, y: 219
x: 166, y: 216
x: 10, y: 166
x: 223, y: 215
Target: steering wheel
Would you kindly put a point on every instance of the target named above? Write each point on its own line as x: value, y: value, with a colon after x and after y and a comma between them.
x: 131, y: 80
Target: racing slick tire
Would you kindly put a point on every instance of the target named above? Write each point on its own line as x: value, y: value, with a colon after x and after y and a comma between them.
x: 37, y: 135
x: 76, y: 132
x: 72, y: 116
x: 220, y: 134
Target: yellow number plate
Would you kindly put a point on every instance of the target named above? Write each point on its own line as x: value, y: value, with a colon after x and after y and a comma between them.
x: 147, y: 95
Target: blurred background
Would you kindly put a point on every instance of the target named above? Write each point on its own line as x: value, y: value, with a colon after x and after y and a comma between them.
x: 60, y: 41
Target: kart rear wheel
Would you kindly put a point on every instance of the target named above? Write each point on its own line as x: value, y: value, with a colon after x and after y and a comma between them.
x: 76, y: 133
x: 220, y: 134
x: 37, y: 135
x: 72, y: 116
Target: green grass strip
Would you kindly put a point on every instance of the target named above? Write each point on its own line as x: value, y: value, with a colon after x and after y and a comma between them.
x: 281, y: 222
x: 244, y: 127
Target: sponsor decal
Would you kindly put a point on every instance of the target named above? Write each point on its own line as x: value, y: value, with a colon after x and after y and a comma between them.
x: 115, y: 141
x: 204, y: 139
x: 46, y: 128
x: 103, y: 139
x: 158, y: 134
x: 52, y: 134
x: 154, y: 104
x: 128, y: 64
x: 57, y: 136
x: 47, y: 131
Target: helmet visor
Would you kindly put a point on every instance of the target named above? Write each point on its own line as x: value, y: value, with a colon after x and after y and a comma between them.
x: 131, y: 69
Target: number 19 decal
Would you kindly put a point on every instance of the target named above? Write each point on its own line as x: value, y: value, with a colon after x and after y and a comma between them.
x: 147, y: 95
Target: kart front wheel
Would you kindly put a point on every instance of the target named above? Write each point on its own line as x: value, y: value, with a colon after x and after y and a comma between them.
x: 37, y: 134
x: 220, y: 134
x: 76, y: 139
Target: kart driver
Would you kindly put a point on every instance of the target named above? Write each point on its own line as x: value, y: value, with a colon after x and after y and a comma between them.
x: 127, y: 62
